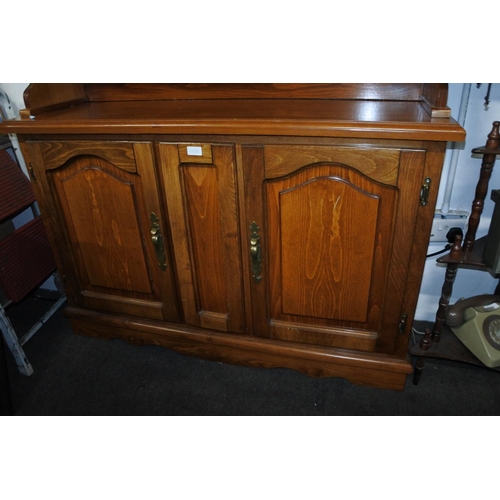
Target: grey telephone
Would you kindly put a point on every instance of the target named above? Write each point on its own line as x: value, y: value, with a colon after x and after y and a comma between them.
x: 476, y: 322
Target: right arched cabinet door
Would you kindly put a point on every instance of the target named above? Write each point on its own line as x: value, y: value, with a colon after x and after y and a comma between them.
x: 334, y: 238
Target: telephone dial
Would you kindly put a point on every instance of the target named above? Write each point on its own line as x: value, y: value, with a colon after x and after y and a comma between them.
x: 476, y: 322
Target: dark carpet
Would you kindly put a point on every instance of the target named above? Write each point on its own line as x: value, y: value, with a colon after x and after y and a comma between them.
x: 75, y: 375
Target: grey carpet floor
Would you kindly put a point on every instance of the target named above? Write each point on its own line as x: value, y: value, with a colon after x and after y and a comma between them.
x: 75, y: 375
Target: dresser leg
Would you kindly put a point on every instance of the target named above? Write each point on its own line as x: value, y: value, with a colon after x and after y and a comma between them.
x: 418, y: 370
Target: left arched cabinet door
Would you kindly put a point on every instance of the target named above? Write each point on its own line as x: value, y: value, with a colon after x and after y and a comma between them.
x: 103, y: 214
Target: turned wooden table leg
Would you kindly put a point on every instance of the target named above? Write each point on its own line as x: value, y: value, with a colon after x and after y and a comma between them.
x: 482, y: 186
x: 444, y: 301
x: 449, y: 279
x: 425, y: 344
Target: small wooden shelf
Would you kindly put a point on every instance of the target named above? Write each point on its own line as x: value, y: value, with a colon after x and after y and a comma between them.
x: 471, y: 260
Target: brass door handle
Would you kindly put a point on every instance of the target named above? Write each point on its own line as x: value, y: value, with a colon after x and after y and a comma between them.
x: 255, y: 253
x: 157, y: 240
x: 155, y: 237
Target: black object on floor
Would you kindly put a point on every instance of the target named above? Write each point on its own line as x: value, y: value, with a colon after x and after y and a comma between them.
x: 76, y: 375
x: 5, y: 392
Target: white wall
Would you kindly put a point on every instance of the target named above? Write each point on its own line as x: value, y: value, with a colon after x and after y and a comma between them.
x: 15, y: 92
x: 477, y: 124
x: 11, y: 107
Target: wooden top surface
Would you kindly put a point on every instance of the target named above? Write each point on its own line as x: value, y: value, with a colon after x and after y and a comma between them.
x: 285, y: 117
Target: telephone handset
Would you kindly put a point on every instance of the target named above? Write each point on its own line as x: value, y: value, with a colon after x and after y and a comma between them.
x: 476, y: 322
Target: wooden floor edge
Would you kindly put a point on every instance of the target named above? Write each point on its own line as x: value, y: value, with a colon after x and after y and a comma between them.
x: 360, y: 368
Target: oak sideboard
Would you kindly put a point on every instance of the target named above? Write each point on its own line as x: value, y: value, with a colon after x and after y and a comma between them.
x: 267, y: 225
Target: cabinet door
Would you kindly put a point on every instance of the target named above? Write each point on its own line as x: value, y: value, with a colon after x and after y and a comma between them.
x: 200, y: 187
x: 106, y: 224
x: 334, y: 238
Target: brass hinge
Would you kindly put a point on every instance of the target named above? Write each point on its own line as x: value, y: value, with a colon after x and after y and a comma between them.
x: 402, y: 323
x: 424, y: 192
x: 32, y: 173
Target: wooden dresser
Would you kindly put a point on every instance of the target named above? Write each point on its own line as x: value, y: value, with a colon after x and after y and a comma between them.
x: 268, y: 225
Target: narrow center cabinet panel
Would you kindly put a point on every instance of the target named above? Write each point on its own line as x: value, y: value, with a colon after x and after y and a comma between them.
x: 109, y: 225
x: 200, y: 187
x: 328, y: 236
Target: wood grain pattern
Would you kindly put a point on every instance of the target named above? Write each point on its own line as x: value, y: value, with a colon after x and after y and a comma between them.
x: 169, y: 164
x: 253, y: 180
x: 122, y: 305
x: 436, y: 94
x: 361, y: 340
x: 244, y: 252
x: 409, y: 186
x: 105, y: 226
x: 433, y: 160
x: 161, y: 91
x: 327, y: 231
x: 337, y: 224
x: 227, y: 194
x: 104, y: 213
x: 206, y: 241
x: 162, y: 280
x: 41, y: 97
x: 120, y: 154
x: 50, y: 210
x: 214, y: 321
x: 331, y: 174
x: 203, y: 211
x: 406, y: 120
x: 381, y: 165
x: 358, y: 367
